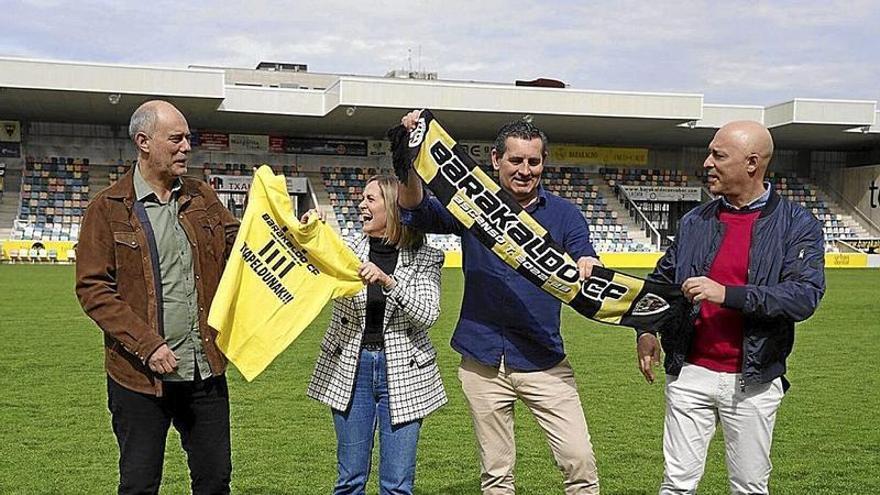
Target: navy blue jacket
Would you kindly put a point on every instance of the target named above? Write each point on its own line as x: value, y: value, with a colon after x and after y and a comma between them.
x: 786, y: 280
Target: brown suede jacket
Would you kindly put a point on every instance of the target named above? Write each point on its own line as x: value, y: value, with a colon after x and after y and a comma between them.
x: 116, y: 275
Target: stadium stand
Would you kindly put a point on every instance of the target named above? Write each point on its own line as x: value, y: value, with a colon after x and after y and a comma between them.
x: 644, y: 177
x: 789, y: 185
x: 344, y: 186
x: 118, y: 170
x: 206, y: 169
x: 663, y: 216
x: 607, y: 233
x: 54, y: 194
x: 795, y: 189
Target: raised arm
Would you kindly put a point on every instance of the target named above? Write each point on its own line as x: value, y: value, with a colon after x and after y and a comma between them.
x: 410, y: 193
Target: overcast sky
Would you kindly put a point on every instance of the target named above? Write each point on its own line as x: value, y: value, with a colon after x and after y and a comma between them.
x: 749, y: 52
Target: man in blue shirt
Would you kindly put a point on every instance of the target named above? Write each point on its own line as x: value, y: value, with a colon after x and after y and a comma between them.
x: 508, y: 329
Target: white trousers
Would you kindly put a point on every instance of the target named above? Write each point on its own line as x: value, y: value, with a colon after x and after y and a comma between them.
x: 698, y: 399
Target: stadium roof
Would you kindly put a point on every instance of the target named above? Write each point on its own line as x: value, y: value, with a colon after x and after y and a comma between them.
x: 57, y: 91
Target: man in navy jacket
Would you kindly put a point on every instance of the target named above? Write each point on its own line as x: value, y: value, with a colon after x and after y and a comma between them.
x: 752, y: 262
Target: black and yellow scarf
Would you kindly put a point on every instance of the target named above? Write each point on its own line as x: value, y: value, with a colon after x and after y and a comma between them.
x: 501, y: 224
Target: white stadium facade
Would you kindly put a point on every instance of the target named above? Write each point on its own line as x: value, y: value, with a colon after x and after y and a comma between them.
x: 630, y: 160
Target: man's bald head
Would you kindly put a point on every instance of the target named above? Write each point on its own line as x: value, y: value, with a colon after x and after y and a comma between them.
x: 752, y: 138
x: 737, y: 161
x: 146, y: 116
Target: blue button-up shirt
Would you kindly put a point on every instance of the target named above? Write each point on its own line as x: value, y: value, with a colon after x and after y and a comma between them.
x: 502, y: 313
x: 755, y: 204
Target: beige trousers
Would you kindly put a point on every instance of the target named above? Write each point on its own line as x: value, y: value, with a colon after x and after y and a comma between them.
x: 551, y: 395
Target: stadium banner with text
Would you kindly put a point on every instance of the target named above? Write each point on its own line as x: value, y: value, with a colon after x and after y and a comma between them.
x: 662, y: 193
x: 10, y: 131
x: 248, y: 143
x: 318, y: 146
x: 846, y: 260
x: 211, y: 141
x: 240, y: 183
x: 10, y: 150
x: 501, y: 224
x: 594, y: 155
x: 377, y: 147
x: 276, y: 144
x: 480, y: 152
x: 863, y: 243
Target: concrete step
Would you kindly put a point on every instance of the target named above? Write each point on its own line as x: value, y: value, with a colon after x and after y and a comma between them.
x: 8, y: 212
x: 633, y: 231
x: 9, y: 203
x: 12, y: 180
x: 848, y: 220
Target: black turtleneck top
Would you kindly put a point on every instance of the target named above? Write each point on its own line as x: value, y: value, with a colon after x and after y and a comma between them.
x: 385, y: 257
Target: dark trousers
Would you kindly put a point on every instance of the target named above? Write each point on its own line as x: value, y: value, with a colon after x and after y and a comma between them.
x: 199, y: 411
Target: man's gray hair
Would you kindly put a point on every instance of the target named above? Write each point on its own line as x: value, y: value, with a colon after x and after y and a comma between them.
x: 142, y: 120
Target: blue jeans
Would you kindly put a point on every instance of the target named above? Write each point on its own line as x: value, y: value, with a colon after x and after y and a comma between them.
x: 356, y: 427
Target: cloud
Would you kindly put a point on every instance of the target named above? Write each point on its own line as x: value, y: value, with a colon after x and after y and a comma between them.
x: 734, y: 52
x: 794, y: 14
x: 753, y: 75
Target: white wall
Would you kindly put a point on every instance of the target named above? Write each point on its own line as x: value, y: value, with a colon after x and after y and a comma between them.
x: 854, y: 184
x: 73, y: 76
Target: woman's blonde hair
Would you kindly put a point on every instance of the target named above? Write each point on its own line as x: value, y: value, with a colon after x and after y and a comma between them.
x: 396, y: 234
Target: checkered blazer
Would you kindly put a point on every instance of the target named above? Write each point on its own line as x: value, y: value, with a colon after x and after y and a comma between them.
x: 414, y: 385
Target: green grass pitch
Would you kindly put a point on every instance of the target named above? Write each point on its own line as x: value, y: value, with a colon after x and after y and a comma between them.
x: 55, y: 432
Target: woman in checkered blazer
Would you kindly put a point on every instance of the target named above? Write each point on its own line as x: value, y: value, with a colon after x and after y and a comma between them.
x: 377, y: 368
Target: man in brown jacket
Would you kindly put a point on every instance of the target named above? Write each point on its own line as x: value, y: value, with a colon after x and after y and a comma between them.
x: 151, y: 251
